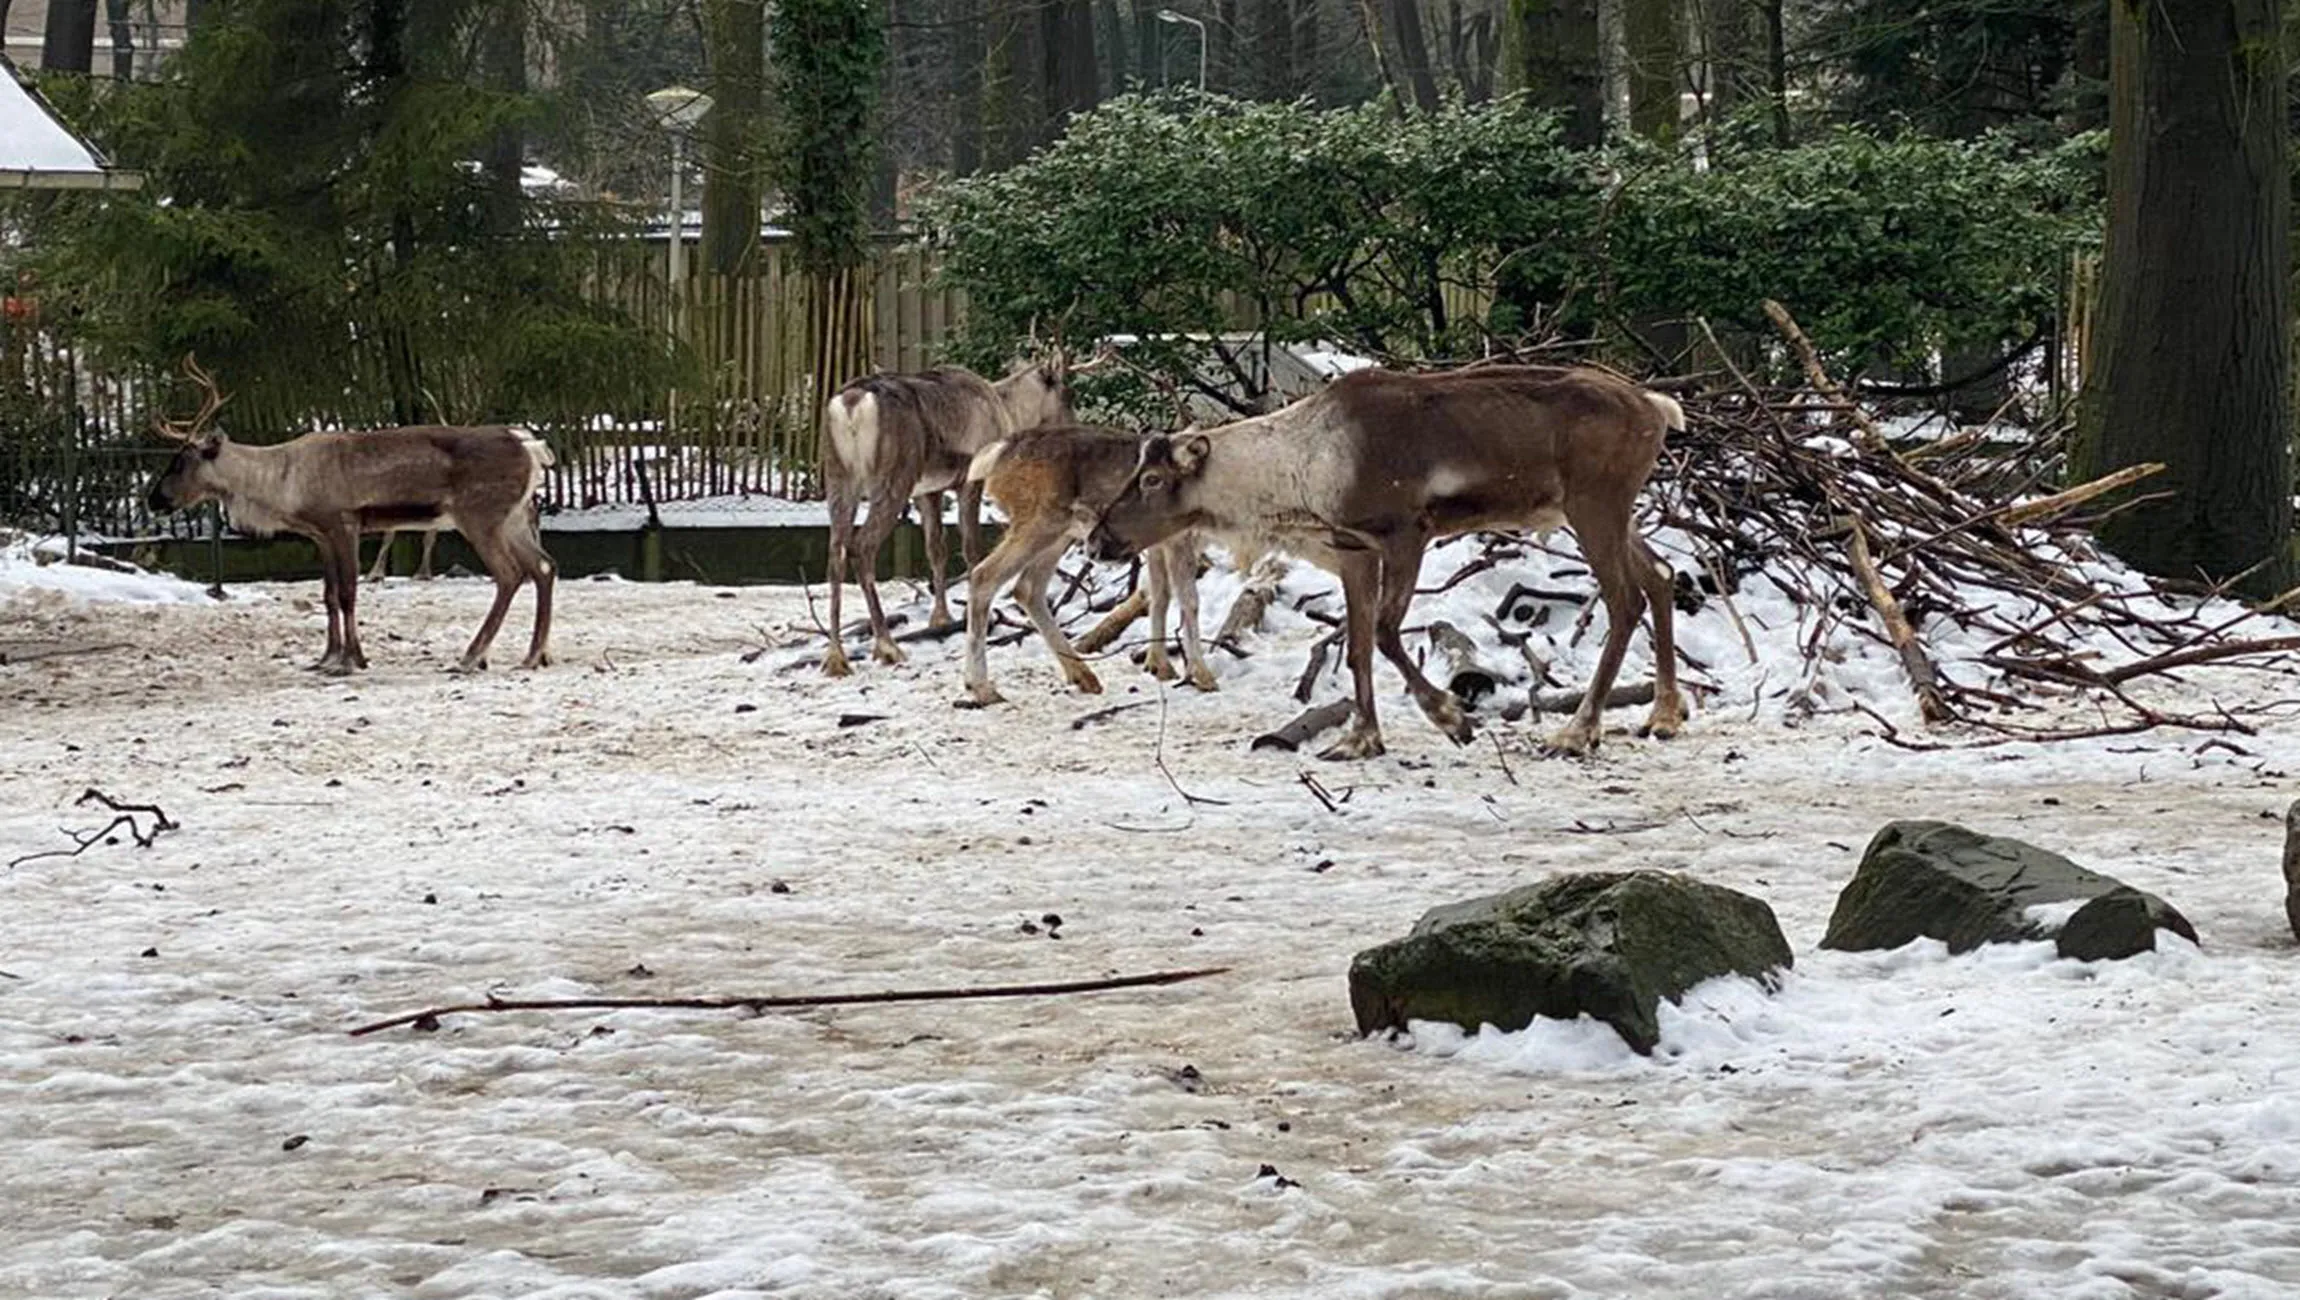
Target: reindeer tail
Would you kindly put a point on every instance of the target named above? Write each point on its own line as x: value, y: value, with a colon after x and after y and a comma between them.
x: 851, y: 426
x: 539, y: 458
x: 1671, y: 412
x: 985, y: 462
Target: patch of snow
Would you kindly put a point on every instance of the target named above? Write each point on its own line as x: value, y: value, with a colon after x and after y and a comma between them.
x: 37, y: 571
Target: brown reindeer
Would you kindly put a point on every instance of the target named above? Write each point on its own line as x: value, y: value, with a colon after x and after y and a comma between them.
x: 889, y: 438
x: 1360, y: 477
x: 331, y: 487
x: 1053, y: 482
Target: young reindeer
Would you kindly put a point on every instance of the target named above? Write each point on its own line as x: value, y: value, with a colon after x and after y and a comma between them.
x: 1052, y: 482
x: 1360, y: 477
x: 331, y: 487
x: 889, y: 438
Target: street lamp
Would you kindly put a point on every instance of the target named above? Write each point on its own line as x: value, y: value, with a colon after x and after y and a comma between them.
x: 1169, y: 16
x: 677, y: 109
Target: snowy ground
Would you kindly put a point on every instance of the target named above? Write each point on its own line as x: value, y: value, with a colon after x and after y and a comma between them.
x: 181, y: 1114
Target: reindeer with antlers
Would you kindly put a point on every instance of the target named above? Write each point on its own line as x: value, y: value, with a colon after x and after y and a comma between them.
x: 331, y: 487
x: 890, y: 438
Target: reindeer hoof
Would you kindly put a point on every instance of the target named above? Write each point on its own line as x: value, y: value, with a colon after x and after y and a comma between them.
x: 532, y: 662
x: 890, y: 654
x: 1665, y: 721
x: 835, y: 664
x: 469, y: 667
x: 336, y: 668
x: 1202, y: 677
x: 1363, y: 743
x: 1083, y: 678
x: 1573, y: 742
x: 1446, y: 714
x: 1160, y: 667
x: 979, y: 697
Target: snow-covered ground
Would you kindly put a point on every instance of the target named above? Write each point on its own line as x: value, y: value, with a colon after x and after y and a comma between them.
x: 182, y: 1115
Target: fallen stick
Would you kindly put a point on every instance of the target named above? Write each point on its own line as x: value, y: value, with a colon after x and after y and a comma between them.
x: 2201, y: 654
x: 1319, y: 652
x: 2060, y: 503
x: 433, y: 1014
x: 1620, y: 697
x: 36, y: 653
x: 1100, y: 716
x: 1922, y: 679
x: 1100, y: 637
x: 1819, y: 378
x: 1306, y: 727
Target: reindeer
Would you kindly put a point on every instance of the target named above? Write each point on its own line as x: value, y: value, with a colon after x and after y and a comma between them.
x: 331, y: 487
x: 1360, y: 477
x: 375, y: 572
x: 888, y: 438
x: 1052, y: 482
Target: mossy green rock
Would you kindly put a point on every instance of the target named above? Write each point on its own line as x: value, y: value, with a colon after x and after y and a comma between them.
x: 1937, y: 880
x: 1607, y: 944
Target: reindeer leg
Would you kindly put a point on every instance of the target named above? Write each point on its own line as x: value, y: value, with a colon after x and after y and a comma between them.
x: 1605, y: 541
x: 1182, y: 577
x: 423, y: 567
x: 970, y: 523
x: 543, y: 573
x: 937, y: 557
x: 382, y: 566
x: 1156, y: 591
x: 1668, y: 716
x: 885, y: 514
x: 1401, y: 566
x: 500, y: 554
x: 1361, y: 591
x: 341, y: 554
x: 1015, y: 550
x: 842, y: 505
x: 1031, y: 590
x: 332, y: 657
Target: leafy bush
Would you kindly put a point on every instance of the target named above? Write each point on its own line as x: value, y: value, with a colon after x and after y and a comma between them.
x: 1433, y: 236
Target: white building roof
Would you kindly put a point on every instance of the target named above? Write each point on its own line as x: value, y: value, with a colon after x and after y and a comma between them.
x: 39, y: 152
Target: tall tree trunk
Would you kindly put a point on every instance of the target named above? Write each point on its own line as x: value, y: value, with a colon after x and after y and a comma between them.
x: 1066, y: 43
x: 1723, y: 29
x: 733, y: 179
x: 966, y: 86
x: 2191, y: 354
x: 1777, y: 70
x: 1550, y: 51
x: 68, y: 41
x: 1649, y: 30
x: 1403, y: 21
x: 505, y: 67
x: 387, y: 71
x: 1014, y: 94
x: 1110, y: 30
x: 123, y: 40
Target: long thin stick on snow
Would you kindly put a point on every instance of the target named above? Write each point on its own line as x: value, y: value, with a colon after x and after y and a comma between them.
x: 432, y: 1014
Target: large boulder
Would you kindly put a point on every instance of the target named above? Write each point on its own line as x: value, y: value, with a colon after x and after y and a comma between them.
x: 1937, y: 880
x: 1609, y: 944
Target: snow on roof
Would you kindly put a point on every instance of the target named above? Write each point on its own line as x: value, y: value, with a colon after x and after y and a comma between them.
x: 39, y: 152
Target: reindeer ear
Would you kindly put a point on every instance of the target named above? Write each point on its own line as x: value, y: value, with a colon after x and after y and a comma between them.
x: 1189, y: 453
x: 210, y: 443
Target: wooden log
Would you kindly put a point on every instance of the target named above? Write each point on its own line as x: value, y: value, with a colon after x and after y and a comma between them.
x: 1099, y: 637
x: 1469, y: 680
x: 1307, y: 727
x: 1922, y: 679
x: 1620, y: 697
x: 1253, y: 602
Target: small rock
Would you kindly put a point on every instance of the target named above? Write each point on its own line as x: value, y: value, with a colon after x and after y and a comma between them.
x: 294, y: 1142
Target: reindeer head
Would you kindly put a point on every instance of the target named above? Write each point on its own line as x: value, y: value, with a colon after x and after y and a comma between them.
x: 191, y: 477
x: 1038, y: 392
x: 1157, y: 501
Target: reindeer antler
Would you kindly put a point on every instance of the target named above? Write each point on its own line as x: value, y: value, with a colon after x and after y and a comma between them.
x: 1109, y: 354
x: 212, y: 402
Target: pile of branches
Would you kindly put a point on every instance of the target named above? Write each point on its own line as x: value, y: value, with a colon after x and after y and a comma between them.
x: 1906, y: 542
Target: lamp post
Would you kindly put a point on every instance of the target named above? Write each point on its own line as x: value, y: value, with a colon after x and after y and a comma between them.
x: 1169, y: 16
x: 677, y: 109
